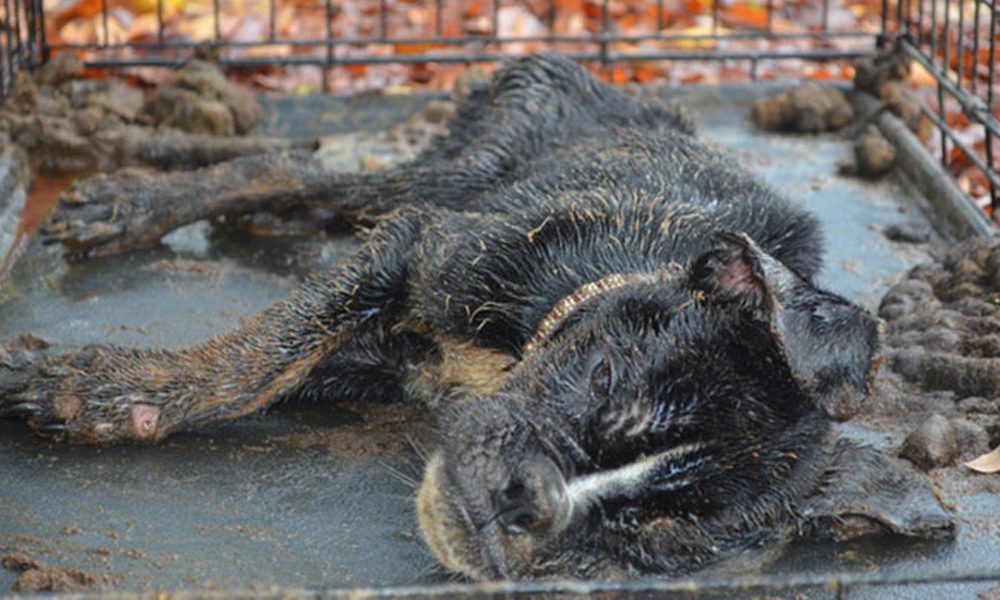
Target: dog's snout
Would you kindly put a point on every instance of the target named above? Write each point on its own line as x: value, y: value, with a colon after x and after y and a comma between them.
x: 534, y: 498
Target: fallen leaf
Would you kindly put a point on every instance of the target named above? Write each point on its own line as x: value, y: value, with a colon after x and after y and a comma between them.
x: 987, y: 463
x: 752, y: 15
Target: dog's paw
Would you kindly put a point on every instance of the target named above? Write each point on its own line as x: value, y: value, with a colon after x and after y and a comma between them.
x: 106, y: 214
x: 58, y: 394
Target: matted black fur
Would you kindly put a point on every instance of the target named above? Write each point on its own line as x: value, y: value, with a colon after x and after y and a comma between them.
x: 614, y: 322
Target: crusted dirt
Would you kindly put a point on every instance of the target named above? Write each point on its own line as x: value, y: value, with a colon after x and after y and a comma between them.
x: 873, y: 155
x: 38, y: 577
x: 884, y: 77
x: 383, y: 430
x: 353, y: 151
x: 67, y: 123
x: 808, y: 108
x: 938, y: 395
x: 203, y: 100
x: 365, y: 151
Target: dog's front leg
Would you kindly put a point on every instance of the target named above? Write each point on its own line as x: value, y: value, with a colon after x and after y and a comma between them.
x: 103, y: 394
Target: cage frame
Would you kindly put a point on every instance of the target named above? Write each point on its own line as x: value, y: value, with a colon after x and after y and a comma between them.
x: 24, y: 47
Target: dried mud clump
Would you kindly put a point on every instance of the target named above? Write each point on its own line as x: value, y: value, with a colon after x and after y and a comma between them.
x: 67, y: 123
x: 363, y: 151
x: 885, y: 78
x: 377, y: 433
x: 808, y: 108
x: 943, y: 333
x: 202, y: 100
x: 940, y: 442
x: 37, y: 577
x: 873, y: 156
x: 909, y: 232
x: 944, y: 321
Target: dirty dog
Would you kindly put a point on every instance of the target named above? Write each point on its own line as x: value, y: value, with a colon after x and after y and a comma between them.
x: 614, y: 323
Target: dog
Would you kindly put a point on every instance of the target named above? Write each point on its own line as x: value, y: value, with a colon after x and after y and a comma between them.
x: 614, y: 323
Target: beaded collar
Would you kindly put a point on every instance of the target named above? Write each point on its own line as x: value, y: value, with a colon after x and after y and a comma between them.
x: 571, y: 303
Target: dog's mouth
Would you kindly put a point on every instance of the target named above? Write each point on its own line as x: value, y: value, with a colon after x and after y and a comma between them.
x: 490, y: 550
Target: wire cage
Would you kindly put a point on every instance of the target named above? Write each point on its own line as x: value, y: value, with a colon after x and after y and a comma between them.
x: 22, y: 39
x: 955, y: 41
x: 952, y: 41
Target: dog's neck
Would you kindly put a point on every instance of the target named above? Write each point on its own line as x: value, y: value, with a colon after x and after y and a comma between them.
x: 582, y: 295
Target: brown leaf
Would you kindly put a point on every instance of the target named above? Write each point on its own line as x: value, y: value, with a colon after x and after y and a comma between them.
x: 987, y: 463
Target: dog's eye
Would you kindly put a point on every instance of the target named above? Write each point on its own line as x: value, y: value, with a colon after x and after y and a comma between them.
x: 602, y: 379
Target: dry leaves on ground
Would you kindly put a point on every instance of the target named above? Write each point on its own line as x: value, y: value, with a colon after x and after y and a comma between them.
x: 987, y: 463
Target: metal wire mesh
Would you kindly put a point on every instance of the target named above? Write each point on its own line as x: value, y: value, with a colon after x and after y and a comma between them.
x: 21, y: 39
x: 330, y: 46
x: 955, y: 40
x: 833, y: 587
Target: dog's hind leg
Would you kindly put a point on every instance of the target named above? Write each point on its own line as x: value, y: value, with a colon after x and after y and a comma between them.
x: 533, y: 107
x: 105, y: 394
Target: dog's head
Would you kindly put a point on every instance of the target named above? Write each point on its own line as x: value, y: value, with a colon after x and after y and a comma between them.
x: 656, y: 422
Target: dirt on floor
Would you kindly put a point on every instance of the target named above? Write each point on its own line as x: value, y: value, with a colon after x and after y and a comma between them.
x: 937, y: 394
x: 67, y: 122
x: 383, y: 430
x: 38, y: 577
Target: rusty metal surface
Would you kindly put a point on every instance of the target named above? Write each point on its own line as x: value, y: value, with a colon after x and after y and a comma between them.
x: 248, y: 504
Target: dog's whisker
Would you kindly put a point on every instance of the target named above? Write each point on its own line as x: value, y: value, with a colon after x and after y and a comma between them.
x: 399, y: 475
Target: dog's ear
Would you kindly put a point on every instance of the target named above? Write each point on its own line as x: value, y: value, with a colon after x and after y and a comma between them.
x: 733, y: 272
x: 864, y: 492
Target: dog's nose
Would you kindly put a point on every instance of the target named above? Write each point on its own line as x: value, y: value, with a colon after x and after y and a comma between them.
x: 534, y: 499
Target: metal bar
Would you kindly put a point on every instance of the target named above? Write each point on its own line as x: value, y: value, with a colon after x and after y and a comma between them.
x: 933, y: 34
x: 159, y: 21
x: 683, y: 586
x: 991, y: 77
x: 217, y: 28
x: 994, y: 183
x: 920, y: 21
x: 550, y: 18
x: 18, y: 40
x: 960, y: 45
x: 945, y: 56
x: 885, y: 18
x: 940, y: 89
x: 991, y: 176
x: 975, y: 49
x: 905, y: 26
x: 605, y: 31
x: 475, y: 40
x: 26, y: 45
x: 272, y: 19
x: 36, y: 50
x: 941, y: 114
x: 104, y: 23
x: 715, y: 17
x: 272, y: 61
x: 438, y: 17
x: 973, y: 106
x: 8, y: 79
x: 495, y: 21
x: 5, y: 65
x: 825, y: 23
x: 383, y: 19
x: 328, y: 59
